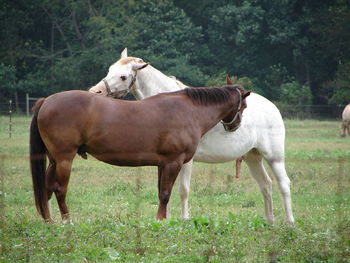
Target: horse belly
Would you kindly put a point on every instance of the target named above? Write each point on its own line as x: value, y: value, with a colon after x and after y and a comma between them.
x: 128, y: 159
x: 218, y: 146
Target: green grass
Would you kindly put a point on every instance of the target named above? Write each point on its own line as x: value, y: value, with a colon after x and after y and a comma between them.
x: 113, y: 208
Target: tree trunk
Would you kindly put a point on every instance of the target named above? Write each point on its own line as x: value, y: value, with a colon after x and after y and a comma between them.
x: 77, y: 31
x: 53, y: 19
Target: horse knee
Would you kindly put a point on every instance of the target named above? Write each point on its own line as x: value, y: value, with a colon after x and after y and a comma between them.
x: 285, y: 188
x: 184, y: 194
x: 266, y: 189
x: 164, y: 197
x: 60, y: 193
x: 184, y: 191
x: 284, y: 185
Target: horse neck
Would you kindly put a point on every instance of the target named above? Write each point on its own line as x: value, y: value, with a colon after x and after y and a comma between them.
x: 150, y: 81
x: 209, y: 115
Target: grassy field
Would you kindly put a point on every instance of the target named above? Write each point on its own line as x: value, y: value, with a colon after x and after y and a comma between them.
x: 113, y: 208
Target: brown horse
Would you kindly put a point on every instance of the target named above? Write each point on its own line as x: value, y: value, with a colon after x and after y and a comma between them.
x: 163, y: 130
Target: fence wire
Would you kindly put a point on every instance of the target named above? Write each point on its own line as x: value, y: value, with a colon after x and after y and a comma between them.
x: 318, y: 112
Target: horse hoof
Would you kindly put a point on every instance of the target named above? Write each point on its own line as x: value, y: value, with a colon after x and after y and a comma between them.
x: 67, y: 221
x: 49, y: 221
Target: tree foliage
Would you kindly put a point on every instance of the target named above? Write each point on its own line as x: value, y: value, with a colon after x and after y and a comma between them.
x: 281, y: 49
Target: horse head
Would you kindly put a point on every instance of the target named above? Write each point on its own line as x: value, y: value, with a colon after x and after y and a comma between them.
x: 233, y: 119
x: 120, y: 78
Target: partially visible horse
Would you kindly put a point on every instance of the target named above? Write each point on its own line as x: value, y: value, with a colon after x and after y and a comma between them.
x: 240, y: 159
x: 163, y: 130
x: 346, y: 121
x: 261, y: 134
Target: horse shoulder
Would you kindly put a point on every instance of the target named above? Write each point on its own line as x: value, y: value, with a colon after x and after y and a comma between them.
x: 177, y: 142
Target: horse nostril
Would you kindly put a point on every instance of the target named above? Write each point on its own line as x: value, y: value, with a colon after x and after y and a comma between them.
x: 98, y: 92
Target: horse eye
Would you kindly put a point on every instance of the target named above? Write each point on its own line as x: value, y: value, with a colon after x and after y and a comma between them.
x: 123, y: 78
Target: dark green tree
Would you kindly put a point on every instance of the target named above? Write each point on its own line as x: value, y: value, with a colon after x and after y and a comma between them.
x: 50, y: 46
x: 169, y: 40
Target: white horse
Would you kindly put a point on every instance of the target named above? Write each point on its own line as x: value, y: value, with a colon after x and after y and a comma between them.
x: 260, y: 136
x: 346, y: 121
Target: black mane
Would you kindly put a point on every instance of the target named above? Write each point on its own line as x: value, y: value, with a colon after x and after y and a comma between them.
x: 214, y: 95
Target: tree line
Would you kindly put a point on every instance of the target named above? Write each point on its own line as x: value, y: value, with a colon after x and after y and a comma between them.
x: 291, y: 51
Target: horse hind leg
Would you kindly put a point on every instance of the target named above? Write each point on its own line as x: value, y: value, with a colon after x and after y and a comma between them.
x: 257, y: 170
x: 238, y: 167
x: 50, y: 183
x: 63, y: 169
x: 283, y: 182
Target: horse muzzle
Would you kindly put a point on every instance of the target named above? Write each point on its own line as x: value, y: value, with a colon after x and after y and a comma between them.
x: 230, y: 126
x: 99, y: 89
x: 231, y: 129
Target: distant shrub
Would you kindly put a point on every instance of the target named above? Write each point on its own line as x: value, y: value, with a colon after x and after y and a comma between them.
x: 294, y: 93
x: 7, y: 80
x: 341, y: 85
x: 247, y: 83
x: 341, y: 96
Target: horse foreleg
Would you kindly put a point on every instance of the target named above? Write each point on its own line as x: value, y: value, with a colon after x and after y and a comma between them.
x: 283, y: 182
x: 160, y: 171
x: 63, y: 169
x: 184, y: 188
x: 342, y: 129
x: 166, y: 181
x: 257, y: 170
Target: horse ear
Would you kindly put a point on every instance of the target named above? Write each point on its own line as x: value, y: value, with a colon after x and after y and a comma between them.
x: 138, y: 66
x: 246, y: 94
x: 228, y: 81
x: 124, y: 53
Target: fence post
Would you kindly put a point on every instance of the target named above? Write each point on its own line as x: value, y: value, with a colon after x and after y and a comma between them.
x: 2, y: 195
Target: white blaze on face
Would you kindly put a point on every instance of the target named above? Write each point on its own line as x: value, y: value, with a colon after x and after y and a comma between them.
x: 119, y: 79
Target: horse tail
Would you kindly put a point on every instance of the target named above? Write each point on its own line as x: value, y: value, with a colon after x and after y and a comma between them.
x: 38, y: 164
